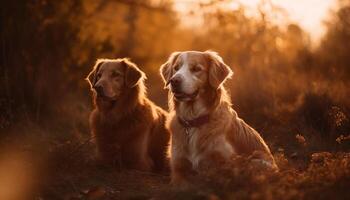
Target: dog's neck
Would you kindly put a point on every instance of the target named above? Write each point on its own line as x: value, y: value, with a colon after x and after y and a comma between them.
x: 206, y: 104
x: 126, y: 104
x: 191, y: 109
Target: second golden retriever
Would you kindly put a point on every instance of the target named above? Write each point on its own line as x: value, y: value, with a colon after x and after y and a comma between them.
x: 126, y: 126
x: 204, y: 127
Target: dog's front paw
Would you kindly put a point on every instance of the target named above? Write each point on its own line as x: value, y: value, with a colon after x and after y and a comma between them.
x: 180, y: 183
x: 263, y: 164
x: 145, y: 164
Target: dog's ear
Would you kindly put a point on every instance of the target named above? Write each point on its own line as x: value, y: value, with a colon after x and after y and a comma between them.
x: 166, y: 70
x: 132, y: 73
x: 218, y: 70
x: 91, y: 77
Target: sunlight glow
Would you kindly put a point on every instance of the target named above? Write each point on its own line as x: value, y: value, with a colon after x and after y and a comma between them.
x: 309, y: 14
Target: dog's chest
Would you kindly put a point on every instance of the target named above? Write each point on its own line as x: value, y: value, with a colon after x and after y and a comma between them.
x: 120, y: 132
x: 198, y: 145
x: 193, y: 144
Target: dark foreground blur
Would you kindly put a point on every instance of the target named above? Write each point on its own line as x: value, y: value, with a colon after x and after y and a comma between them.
x: 295, y: 94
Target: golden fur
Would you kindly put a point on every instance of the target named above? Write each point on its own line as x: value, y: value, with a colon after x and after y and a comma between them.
x: 126, y: 126
x: 224, y: 135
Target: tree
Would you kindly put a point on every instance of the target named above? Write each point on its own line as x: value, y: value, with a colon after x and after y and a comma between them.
x: 334, y: 50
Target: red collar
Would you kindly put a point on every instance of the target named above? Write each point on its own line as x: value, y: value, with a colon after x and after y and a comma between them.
x: 196, y: 122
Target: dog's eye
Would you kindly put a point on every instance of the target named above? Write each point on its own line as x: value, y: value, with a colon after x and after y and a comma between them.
x: 115, y: 74
x: 196, y: 68
x: 176, y: 67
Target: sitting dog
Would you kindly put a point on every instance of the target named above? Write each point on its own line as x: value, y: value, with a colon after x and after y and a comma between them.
x: 126, y: 126
x: 205, y: 129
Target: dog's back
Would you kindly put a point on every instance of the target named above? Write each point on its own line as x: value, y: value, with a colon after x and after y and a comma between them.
x: 159, y: 141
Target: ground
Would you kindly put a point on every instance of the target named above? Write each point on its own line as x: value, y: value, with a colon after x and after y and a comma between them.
x: 51, y: 164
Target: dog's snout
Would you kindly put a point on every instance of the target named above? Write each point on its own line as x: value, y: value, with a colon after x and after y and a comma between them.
x: 99, y: 90
x: 176, y: 81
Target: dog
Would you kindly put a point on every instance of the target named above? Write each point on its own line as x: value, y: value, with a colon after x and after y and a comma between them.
x: 205, y: 130
x: 126, y: 126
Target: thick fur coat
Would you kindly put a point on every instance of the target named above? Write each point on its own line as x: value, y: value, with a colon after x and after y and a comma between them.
x: 196, y: 89
x: 126, y: 126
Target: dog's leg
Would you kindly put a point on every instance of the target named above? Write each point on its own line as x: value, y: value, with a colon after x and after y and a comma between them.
x: 158, y: 146
x: 210, y: 161
x: 263, y: 160
x: 181, y: 172
x: 137, y: 153
x: 107, y: 152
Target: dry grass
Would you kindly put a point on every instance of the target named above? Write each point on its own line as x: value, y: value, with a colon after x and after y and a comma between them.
x: 310, y: 146
x: 66, y: 169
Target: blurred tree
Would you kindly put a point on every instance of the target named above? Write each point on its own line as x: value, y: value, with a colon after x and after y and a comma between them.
x: 333, y: 58
x: 48, y: 47
x: 36, y: 39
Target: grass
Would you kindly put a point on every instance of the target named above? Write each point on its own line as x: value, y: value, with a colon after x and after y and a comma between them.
x: 65, y: 169
x: 54, y: 159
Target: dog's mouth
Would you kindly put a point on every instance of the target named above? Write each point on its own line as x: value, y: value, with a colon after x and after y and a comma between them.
x: 181, y: 96
x: 106, y: 98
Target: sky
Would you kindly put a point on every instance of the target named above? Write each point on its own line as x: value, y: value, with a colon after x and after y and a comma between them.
x: 309, y: 14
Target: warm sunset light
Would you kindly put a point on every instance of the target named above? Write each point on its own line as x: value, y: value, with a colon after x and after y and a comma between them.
x: 175, y: 99
x: 310, y: 14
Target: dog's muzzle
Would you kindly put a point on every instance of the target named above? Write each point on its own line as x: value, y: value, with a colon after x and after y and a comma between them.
x: 183, y: 96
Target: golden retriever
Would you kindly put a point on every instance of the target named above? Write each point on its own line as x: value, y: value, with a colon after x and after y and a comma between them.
x: 126, y: 126
x: 204, y: 127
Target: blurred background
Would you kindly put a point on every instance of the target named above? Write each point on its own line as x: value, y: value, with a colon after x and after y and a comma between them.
x: 291, y: 61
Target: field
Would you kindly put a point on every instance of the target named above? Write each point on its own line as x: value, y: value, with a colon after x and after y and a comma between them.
x: 55, y: 160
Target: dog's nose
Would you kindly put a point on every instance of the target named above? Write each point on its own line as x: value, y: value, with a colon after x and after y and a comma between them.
x: 99, y: 90
x: 175, y: 82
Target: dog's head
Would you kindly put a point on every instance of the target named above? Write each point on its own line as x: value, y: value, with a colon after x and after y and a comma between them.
x: 189, y: 73
x: 109, y: 78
